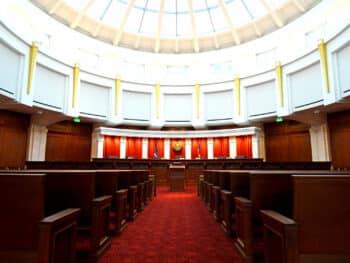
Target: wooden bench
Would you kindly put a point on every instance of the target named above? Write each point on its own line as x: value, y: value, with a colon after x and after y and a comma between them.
x: 76, y: 188
x: 111, y: 182
x: 27, y: 236
x: 67, y: 188
x: 319, y: 228
x: 268, y: 190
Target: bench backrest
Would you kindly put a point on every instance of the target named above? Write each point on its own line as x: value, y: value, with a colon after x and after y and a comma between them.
x: 22, y: 207
x: 322, y: 212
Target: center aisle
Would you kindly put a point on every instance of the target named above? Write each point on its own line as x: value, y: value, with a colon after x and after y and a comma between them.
x: 174, y: 227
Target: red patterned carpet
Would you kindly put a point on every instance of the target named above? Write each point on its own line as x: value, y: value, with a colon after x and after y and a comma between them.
x: 174, y: 227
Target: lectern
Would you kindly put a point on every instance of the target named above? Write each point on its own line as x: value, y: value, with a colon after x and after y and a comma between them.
x: 177, y: 177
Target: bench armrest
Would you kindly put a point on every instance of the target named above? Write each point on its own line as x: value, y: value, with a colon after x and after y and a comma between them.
x: 100, y: 221
x: 280, y: 237
x: 51, y: 228
x: 244, y: 225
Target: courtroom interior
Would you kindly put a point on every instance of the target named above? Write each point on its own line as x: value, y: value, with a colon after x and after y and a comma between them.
x: 175, y: 131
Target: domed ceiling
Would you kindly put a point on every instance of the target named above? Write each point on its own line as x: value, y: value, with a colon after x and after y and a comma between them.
x: 175, y: 26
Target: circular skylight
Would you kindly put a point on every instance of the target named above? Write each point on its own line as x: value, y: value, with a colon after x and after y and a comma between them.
x: 171, y: 26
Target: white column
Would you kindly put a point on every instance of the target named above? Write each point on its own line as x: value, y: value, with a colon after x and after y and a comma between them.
x: 262, y: 147
x: 233, y: 147
x: 255, y: 146
x: 210, y: 148
x: 320, y: 142
x: 122, y: 147
x: 99, y: 145
x: 144, y: 148
x: 37, y: 142
x: 166, y: 148
x: 188, y: 144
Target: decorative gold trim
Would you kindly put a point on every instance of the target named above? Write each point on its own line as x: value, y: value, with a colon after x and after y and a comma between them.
x: 279, y: 76
x: 177, y: 146
x: 76, y: 71
x: 33, y: 51
x: 197, y: 90
x: 238, y: 94
x: 117, y: 92
x: 157, y: 93
x: 322, y: 47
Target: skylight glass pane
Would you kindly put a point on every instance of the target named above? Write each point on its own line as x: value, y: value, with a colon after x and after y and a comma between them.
x: 134, y: 20
x: 97, y: 8
x: 203, y: 24
x: 238, y: 14
x: 140, y: 4
x: 115, y: 14
x: 256, y: 8
x: 275, y: 3
x: 182, y: 6
x: 168, y: 25
x: 212, y: 3
x: 199, y: 5
x: 169, y: 6
x: 77, y: 4
x: 218, y: 19
x: 184, y: 25
x: 149, y: 23
x: 153, y: 5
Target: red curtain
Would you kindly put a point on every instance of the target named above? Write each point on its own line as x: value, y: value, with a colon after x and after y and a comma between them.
x: 221, y: 147
x: 111, y: 146
x: 155, y: 148
x: 176, y: 154
x: 244, y: 146
x: 134, y: 147
x: 199, y: 148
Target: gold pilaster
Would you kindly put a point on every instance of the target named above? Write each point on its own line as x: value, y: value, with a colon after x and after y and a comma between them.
x: 238, y: 94
x: 197, y: 90
x: 157, y: 93
x: 279, y: 77
x: 33, y: 51
x: 117, y: 92
x: 76, y: 71
x: 322, y: 47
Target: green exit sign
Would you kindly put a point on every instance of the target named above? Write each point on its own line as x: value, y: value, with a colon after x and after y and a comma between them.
x: 279, y: 119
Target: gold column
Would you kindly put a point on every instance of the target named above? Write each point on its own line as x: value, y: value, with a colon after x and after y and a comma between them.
x: 238, y: 94
x: 157, y: 91
x: 197, y: 90
x: 322, y: 47
x: 33, y: 51
x: 279, y: 77
x: 117, y: 92
x: 76, y: 71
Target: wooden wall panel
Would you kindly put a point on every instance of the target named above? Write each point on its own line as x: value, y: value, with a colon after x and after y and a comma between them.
x: 13, y: 138
x: 339, y: 131
x: 287, y: 141
x: 68, y: 141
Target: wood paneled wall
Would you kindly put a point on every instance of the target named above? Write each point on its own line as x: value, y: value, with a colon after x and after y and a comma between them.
x: 339, y: 131
x: 68, y: 141
x: 13, y: 138
x: 287, y: 141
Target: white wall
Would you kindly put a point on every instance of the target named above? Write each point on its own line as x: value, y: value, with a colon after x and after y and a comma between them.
x: 308, y: 83
x: 10, y: 68
x: 94, y: 100
x: 261, y: 99
x: 49, y: 88
x: 218, y: 105
x: 178, y: 107
x: 343, y: 66
x: 136, y: 105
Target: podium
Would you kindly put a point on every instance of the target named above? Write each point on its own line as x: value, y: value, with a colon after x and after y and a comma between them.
x: 177, y: 177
